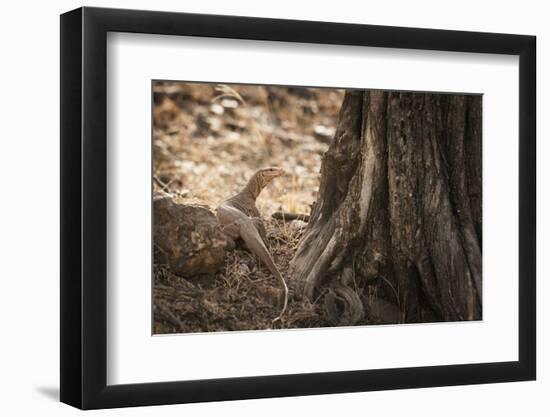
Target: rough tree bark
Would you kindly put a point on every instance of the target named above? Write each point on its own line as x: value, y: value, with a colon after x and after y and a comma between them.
x: 398, y: 216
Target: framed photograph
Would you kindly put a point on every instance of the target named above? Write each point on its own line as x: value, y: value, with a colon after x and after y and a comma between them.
x: 257, y: 208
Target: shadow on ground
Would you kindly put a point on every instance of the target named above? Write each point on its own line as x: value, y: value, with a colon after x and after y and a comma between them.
x: 50, y: 392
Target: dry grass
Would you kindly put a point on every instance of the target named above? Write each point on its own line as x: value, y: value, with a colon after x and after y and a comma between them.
x: 208, y: 141
x: 241, y: 297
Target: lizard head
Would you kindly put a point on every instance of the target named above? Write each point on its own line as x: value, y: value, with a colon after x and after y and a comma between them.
x: 265, y: 175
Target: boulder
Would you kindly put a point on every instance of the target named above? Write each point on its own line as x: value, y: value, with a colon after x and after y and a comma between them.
x: 187, y: 237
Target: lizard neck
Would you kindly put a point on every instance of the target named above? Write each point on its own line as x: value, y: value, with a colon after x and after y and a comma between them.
x: 252, y: 188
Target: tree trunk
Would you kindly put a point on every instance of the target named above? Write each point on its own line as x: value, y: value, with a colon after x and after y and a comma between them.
x: 397, y: 221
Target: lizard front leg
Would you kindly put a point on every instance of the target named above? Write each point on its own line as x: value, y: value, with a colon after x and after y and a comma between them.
x: 255, y: 243
x: 236, y: 223
x: 260, y: 227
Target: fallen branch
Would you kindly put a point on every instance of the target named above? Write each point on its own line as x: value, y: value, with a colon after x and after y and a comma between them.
x: 281, y: 215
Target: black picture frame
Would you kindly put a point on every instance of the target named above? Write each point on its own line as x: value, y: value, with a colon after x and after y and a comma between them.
x: 84, y: 207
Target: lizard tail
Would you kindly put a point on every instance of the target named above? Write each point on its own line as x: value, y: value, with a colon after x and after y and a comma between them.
x: 256, y: 245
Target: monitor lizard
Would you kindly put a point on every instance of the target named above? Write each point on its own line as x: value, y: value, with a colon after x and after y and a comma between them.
x: 240, y: 218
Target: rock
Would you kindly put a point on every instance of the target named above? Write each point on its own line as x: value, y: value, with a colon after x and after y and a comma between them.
x: 229, y: 103
x: 217, y: 109
x: 243, y: 269
x: 297, y: 225
x: 189, y: 237
x: 324, y: 134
